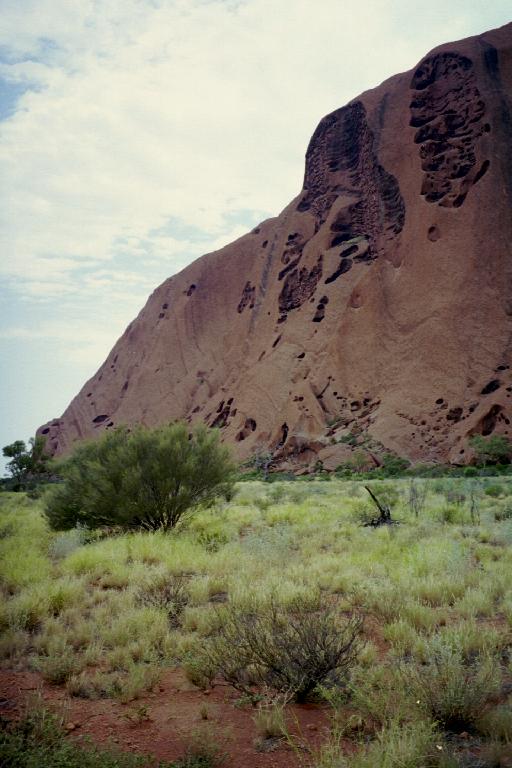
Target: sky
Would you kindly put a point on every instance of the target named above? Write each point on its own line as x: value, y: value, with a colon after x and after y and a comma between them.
x: 136, y: 135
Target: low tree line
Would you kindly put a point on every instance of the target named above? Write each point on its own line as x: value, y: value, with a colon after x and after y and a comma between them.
x: 151, y: 479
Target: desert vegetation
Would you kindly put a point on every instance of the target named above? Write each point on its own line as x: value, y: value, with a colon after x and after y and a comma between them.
x: 400, y: 634
x: 140, y: 478
x: 28, y: 466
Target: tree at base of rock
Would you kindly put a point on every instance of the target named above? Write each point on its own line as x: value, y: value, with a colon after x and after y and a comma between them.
x: 141, y: 478
x: 27, y: 466
x: 496, y: 449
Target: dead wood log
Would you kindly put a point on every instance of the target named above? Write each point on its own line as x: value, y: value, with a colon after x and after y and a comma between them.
x: 384, y: 517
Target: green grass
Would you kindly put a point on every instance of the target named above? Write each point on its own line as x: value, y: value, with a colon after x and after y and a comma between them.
x: 104, y: 616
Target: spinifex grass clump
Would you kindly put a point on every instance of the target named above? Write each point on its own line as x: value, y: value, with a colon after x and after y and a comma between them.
x: 289, y: 649
x: 168, y: 593
x: 453, y: 689
x: 403, y: 745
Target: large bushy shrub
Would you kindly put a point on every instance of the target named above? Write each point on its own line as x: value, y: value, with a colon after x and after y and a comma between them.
x: 142, y: 478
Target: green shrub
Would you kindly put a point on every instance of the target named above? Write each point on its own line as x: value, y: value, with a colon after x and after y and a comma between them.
x: 270, y: 722
x: 142, y: 478
x: 491, y: 450
x: 455, y: 496
x: 394, y: 465
x: 363, y: 512
x: 58, y: 667
x: 370, y: 694
x: 450, y: 513
x: 262, y: 503
x: 417, y: 496
x: 494, y: 490
x: 66, y: 543
x: 202, y: 750
x: 125, y: 686
x: 348, y: 439
x: 503, y: 513
x: 198, y: 669
x: 27, y: 467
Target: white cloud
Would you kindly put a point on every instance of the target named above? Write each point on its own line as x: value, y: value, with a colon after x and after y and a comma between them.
x: 186, y: 109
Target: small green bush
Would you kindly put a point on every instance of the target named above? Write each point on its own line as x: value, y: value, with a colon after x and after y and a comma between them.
x: 394, y: 465
x: 270, y: 721
x: 503, y: 513
x: 494, y: 490
x: 450, y: 514
x: 202, y: 750
x: 491, y: 450
x: 402, y: 745
x: 169, y: 593
x: 59, y: 667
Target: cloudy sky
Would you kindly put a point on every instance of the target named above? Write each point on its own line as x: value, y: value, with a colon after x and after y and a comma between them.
x: 137, y: 134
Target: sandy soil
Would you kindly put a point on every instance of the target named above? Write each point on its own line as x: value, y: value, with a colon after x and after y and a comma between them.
x: 161, y: 722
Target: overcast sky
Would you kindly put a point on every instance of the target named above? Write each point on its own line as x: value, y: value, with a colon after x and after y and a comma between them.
x: 136, y: 135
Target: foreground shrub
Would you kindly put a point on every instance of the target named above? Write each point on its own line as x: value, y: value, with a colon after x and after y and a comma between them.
x: 125, y: 686
x: 270, y: 722
x: 370, y: 694
x: 288, y: 649
x: 143, y: 478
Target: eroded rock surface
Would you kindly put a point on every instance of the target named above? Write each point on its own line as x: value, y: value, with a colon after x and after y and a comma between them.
x: 376, y: 307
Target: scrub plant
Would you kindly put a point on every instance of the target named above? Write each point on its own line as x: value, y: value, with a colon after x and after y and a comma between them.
x: 288, y: 649
x: 141, y: 478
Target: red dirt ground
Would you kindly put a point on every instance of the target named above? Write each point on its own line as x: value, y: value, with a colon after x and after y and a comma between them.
x: 167, y: 716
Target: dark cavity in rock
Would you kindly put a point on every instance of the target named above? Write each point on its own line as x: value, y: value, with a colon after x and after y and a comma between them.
x: 492, y: 386
x: 447, y: 110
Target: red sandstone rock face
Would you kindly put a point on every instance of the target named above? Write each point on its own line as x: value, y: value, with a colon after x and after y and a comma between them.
x: 379, y: 301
